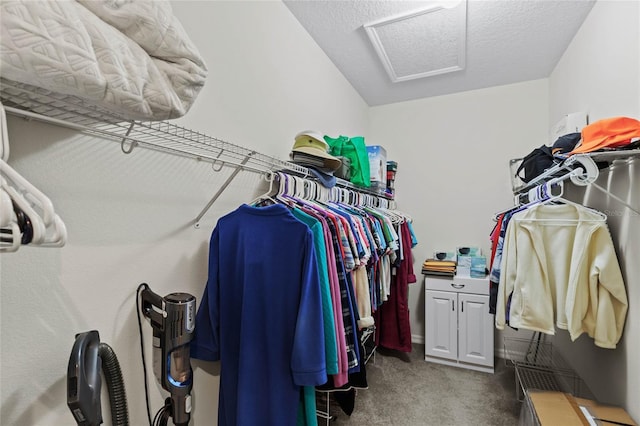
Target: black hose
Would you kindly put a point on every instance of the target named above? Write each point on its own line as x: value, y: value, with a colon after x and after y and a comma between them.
x: 115, y: 385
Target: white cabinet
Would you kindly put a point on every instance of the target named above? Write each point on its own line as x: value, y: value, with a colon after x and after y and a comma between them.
x: 458, y: 325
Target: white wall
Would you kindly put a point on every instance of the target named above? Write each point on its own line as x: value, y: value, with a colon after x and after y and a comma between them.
x: 129, y: 216
x: 600, y: 74
x: 453, y: 157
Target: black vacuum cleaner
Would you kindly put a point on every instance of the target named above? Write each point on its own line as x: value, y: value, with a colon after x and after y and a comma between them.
x: 173, y: 321
x: 89, y: 357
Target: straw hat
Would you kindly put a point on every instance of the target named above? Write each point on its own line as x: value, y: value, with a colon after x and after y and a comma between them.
x: 313, y: 144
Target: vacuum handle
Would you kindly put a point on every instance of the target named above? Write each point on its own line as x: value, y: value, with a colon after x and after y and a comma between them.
x: 153, y: 307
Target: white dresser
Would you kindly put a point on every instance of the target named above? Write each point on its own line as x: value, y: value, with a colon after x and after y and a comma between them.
x: 459, y: 329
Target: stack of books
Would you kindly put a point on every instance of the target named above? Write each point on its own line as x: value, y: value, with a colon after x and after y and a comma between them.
x: 442, y: 268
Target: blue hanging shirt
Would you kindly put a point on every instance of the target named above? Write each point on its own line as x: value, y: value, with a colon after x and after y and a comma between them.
x: 261, y: 316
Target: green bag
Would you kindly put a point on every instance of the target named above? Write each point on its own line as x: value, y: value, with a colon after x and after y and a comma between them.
x: 356, y: 151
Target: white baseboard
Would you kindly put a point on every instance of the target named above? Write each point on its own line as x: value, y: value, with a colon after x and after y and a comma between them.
x: 498, y: 351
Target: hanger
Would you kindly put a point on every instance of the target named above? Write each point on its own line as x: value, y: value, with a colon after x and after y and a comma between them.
x: 543, y: 192
x: 346, y: 196
x: 10, y: 237
x: 4, y: 144
x: 301, y: 192
x: 10, y: 233
x: 6, y: 208
x: 36, y: 205
x: 34, y: 196
x: 322, y: 193
x: 557, y: 198
x: 285, y: 190
x: 295, y: 190
x: 58, y: 235
x: 36, y: 226
x: 298, y: 188
x: 338, y: 194
x: 270, y: 177
x: 308, y: 189
x: 33, y: 212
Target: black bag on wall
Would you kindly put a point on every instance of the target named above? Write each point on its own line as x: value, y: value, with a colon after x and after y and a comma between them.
x: 536, y: 162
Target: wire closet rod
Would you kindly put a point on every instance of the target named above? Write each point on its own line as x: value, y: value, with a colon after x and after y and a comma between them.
x: 171, y: 139
x: 582, y: 170
x: 74, y: 113
x: 184, y: 138
x: 577, y: 160
x: 41, y: 105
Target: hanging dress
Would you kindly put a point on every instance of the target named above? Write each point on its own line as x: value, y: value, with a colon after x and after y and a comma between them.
x: 392, y: 318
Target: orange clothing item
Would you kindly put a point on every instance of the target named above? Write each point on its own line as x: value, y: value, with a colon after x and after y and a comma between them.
x: 608, y: 133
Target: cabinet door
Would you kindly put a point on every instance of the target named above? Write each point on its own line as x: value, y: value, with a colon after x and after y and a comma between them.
x: 441, y: 324
x: 475, y: 325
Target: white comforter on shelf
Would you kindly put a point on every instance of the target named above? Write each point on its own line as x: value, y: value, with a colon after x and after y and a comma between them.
x: 129, y: 58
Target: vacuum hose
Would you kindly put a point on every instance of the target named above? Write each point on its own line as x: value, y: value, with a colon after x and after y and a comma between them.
x: 115, y: 385
x: 88, y: 357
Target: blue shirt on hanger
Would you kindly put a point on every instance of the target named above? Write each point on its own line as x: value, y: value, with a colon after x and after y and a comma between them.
x: 261, y: 316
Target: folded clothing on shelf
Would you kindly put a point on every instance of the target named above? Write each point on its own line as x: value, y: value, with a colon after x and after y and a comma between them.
x: 439, y: 267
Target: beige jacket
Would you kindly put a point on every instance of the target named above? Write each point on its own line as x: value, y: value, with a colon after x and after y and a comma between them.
x: 560, y: 264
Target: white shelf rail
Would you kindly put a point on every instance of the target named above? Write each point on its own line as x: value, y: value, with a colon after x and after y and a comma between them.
x: 42, y: 105
x: 582, y: 169
x: 162, y: 136
x: 538, y: 365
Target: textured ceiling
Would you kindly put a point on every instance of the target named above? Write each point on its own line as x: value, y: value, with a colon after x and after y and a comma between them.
x: 431, y: 52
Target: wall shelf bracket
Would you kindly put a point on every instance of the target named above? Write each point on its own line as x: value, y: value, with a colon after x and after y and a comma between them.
x: 221, y: 189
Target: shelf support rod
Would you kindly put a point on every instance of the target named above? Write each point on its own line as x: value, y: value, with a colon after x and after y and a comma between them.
x: 615, y: 197
x: 221, y: 189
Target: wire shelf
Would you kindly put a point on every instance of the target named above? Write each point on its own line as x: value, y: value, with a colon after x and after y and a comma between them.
x: 97, y: 120
x: 368, y: 344
x: 43, y: 105
x: 71, y: 112
x: 549, y: 380
x: 536, y: 379
x: 534, y: 353
x: 602, y: 158
x: 539, y: 366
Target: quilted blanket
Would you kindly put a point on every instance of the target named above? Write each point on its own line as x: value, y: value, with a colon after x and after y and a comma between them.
x: 130, y: 58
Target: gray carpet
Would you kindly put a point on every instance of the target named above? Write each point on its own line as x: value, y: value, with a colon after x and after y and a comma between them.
x: 404, y: 390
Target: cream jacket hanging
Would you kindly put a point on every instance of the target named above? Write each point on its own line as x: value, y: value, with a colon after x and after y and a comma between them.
x: 560, y: 266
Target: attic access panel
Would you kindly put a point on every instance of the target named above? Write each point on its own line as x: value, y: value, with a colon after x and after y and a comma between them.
x: 422, y: 43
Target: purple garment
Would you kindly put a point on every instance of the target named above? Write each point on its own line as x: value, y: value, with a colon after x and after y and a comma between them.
x: 343, y: 365
x: 261, y: 316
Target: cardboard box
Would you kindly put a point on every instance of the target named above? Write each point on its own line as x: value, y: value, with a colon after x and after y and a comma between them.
x: 377, y: 165
x: 550, y: 408
x: 604, y: 414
